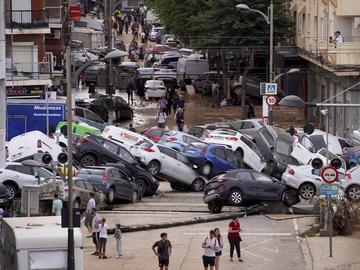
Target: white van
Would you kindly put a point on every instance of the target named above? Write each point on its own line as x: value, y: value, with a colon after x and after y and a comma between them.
x: 26, y: 145
x: 191, y: 68
x: 122, y: 136
x: 37, y: 243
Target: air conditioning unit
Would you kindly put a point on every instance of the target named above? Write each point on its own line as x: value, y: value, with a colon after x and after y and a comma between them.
x: 55, y: 34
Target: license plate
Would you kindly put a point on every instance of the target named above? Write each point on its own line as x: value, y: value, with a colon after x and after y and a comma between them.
x: 211, y: 192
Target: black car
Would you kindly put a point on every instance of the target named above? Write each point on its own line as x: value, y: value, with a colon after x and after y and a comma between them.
x: 92, y: 150
x: 4, y: 195
x: 276, y: 146
x: 115, y: 183
x: 236, y: 187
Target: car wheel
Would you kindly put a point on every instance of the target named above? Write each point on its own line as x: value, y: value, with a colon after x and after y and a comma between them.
x: 110, y: 195
x: 198, y: 185
x: 205, y: 169
x: 76, y: 203
x: 235, y: 197
x: 88, y: 160
x: 141, y: 184
x: 307, y: 191
x: 12, y: 190
x: 290, y: 197
x: 174, y: 186
x: 239, y: 153
x: 353, y: 193
x: 153, y: 167
x: 215, y: 207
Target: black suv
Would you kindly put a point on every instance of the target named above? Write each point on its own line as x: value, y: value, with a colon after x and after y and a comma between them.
x: 92, y: 150
x: 113, y: 182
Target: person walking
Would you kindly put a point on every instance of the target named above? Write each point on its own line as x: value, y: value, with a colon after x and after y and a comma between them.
x: 118, y: 238
x: 181, y: 103
x: 210, y: 246
x: 96, y: 231
x: 234, y: 238
x: 162, y: 105
x: 102, y: 238
x: 91, y: 204
x: 130, y: 91
x: 169, y: 99
x: 161, y: 118
x: 57, y: 205
x: 162, y: 249
x: 218, y: 252
x: 179, y: 117
x: 141, y: 91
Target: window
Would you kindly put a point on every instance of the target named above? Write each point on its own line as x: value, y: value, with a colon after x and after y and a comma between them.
x: 251, y: 145
x: 356, y: 22
x: 112, y: 147
x: 182, y: 159
x: 144, y: 144
x: 43, y: 173
x: 80, y: 184
x: 24, y: 169
x: 305, y: 141
x: 79, y: 112
x: 115, y: 174
x: 44, y: 259
x: 93, y: 117
x: 156, y: 132
x: 243, y: 175
x: 88, y: 186
x: 247, y: 125
x: 196, y: 131
x: 125, y: 155
x: 11, y: 167
x: 318, y: 142
x: 219, y: 152
x: 269, y: 139
x: 231, y: 158
x: 261, y: 177
x: 189, y: 140
x: 168, y: 152
x: 123, y: 175
x: 238, y: 125
x: 283, y: 147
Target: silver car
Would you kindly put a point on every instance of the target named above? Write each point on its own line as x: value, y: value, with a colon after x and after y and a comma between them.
x: 249, y: 127
x: 170, y: 164
x: 351, y: 184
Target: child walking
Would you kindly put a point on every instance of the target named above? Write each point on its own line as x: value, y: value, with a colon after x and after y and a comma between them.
x: 118, y: 239
x: 103, y: 238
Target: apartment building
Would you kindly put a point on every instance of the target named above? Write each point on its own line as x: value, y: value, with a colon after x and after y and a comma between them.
x: 333, y: 65
x: 26, y: 26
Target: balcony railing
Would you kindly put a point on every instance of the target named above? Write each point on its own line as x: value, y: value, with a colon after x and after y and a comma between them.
x: 55, y: 14
x: 27, y: 19
x: 28, y: 71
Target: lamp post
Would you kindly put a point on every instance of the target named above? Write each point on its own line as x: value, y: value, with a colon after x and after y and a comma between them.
x: 293, y: 70
x: 269, y: 20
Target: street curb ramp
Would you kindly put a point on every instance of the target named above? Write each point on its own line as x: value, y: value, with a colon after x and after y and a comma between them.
x: 197, y: 220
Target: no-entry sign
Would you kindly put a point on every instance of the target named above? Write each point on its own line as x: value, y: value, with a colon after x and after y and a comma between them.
x: 329, y: 174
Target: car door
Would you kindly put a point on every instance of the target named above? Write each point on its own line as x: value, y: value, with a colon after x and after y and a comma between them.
x: 252, y: 156
x: 25, y: 175
x: 186, y: 140
x: 248, y: 186
x: 110, y: 153
x: 303, y: 150
x: 121, y: 182
x: 184, y: 170
x: 80, y: 190
x: 168, y: 160
x: 267, y: 188
x: 219, y: 159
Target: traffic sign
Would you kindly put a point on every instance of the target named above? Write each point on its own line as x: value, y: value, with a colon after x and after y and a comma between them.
x: 329, y: 174
x: 271, y: 89
x: 329, y: 189
x: 271, y: 100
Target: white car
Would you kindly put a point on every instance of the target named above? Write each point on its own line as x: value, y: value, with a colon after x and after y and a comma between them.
x: 351, y: 184
x: 241, y: 144
x: 155, y: 89
x: 308, y: 147
x: 167, y: 162
x: 15, y: 175
x: 27, y: 145
x: 307, y: 180
x: 122, y: 136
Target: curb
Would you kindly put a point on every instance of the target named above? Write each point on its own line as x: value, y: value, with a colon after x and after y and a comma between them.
x: 197, y: 220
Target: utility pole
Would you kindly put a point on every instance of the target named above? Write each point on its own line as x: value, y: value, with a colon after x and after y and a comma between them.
x: 2, y: 87
x: 109, y: 41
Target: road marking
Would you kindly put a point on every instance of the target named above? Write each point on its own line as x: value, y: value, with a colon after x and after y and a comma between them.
x: 270, y: 250
x: 255, y: 255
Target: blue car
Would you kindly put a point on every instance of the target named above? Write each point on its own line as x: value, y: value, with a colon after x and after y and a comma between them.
x: 211, y: 159
x: 177, y: 140
x: 352, y: 156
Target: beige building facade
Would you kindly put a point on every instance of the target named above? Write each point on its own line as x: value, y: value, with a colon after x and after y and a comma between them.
x: 333, y: 63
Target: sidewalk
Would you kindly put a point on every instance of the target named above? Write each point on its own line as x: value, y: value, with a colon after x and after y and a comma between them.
x: 346, y: 253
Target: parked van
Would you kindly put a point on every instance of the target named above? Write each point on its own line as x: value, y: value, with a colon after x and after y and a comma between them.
x: 37, y: 243
x: 122, y: 136
x: 190, y: 69
x: 26, y: 145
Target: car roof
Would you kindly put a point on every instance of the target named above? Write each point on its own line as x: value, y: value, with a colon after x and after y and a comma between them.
x: 97, y: 167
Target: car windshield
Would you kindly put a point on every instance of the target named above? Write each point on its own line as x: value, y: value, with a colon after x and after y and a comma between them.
x: 283, y: 147
x: 154, y: 84
x: 318, y: 141
x: 91, y: 171
x: 326, y: 153
x: 144, y: 143
x: 199, y: 145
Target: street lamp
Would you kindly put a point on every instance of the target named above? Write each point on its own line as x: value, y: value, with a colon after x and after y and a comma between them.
x: 293, y: 70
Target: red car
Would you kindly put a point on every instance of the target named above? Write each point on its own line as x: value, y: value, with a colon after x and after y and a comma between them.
x: 154, y: 134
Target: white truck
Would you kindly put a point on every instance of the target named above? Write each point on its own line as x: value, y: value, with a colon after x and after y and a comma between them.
x: 37, y: 243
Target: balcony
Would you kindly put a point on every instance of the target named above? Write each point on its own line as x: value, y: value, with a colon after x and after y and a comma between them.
x: 28, y: 71
x: 348, y: 8
x: 26, y: 19
x: 55, y: 14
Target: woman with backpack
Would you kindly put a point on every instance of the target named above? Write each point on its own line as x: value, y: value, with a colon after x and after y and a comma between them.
x: 179, y: 117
